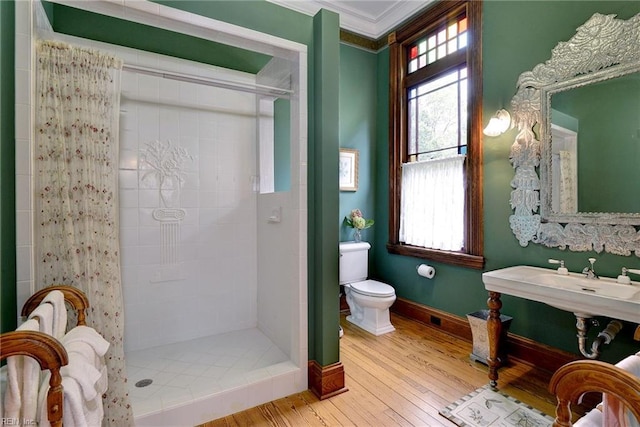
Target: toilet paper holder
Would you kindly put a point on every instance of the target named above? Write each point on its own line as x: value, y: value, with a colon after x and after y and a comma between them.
x: 425, y: 270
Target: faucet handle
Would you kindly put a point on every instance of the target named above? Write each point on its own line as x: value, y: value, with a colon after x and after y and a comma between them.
x: 623, y: 278
x: 592, y: 261
x: 562, y: 269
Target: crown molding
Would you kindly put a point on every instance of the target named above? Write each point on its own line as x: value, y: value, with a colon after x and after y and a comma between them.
x: 369, y: 18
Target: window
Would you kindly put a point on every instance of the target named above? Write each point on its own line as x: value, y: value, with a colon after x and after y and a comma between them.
x: 435, y: 136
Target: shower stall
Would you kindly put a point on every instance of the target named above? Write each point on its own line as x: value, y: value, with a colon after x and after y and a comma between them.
x: 207, y: 300
x: 212, y: 222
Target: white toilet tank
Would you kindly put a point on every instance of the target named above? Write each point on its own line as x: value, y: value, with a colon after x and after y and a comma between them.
x: 354, y: 261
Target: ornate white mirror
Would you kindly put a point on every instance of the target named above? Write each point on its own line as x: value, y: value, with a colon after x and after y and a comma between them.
x: 577, y: 152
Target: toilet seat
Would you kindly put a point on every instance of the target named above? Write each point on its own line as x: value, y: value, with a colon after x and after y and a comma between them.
x: 373, y: 288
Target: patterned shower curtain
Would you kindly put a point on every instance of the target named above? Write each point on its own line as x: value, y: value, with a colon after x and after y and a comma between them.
x: 76, y: 198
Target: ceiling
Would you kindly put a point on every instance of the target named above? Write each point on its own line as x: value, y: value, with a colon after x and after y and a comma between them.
x: 369, y: 18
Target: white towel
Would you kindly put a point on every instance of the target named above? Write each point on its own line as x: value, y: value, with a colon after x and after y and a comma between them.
x: 103, y: 382
x: 82, y: 372
x: 88, y: 354
x: 3, y: 388
x: 592, y: 418
x: 631, y: 364
x: 85, y: 374
x: 23, y: 381
x: 77, y: 412
x: 74, y: 412
x: 614, y: 412
x: 87, y: 335
x: 44, y: 314
x: 92, y: 346
x: 59, y: 325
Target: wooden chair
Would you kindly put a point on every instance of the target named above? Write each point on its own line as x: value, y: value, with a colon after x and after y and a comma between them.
x: 573, y: 380
x: 73, y: 296
x: 46, y: 350
x: 49, y: 353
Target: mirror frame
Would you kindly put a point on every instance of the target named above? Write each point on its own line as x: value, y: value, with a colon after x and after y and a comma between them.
x: 602, y: 48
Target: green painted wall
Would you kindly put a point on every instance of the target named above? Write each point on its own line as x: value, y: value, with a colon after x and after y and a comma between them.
x: 282, y: 144
x: 517, y: 35
x: 358, y: 99
x: 69, y: 20
x: 258, y: 15
x: 8, y: 310
x: 563, y: 120
x: 609, y: 140
x: 323, y: 203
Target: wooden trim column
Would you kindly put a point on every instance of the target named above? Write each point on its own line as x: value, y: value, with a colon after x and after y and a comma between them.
x: 326, y: 381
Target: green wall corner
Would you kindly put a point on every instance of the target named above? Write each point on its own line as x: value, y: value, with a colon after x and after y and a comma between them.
x: 323, y: 202
x: 8, y: 310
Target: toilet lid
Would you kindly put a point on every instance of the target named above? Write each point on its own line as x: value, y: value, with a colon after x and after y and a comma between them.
x: 373, y: 288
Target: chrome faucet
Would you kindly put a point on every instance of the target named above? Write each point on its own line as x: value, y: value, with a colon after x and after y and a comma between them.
x: 588, y: 271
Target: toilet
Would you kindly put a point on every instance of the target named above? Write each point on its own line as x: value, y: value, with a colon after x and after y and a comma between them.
x: 369, y: 300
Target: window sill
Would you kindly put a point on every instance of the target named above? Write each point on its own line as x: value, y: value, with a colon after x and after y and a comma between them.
x: 446, y: 257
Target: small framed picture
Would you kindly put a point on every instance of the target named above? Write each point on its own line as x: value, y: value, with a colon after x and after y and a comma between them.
x: 348, y: 169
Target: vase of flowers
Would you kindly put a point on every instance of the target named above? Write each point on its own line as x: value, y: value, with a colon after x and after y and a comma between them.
x: 356, y: 221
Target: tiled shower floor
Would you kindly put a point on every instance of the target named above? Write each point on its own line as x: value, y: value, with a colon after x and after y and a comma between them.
x: 189, y: 370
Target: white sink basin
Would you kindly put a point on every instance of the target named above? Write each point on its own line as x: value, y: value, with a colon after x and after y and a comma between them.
x: 604, y: 287
x: 574, y: 293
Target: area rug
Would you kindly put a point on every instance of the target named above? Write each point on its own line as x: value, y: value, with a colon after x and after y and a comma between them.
x: 485, y: 407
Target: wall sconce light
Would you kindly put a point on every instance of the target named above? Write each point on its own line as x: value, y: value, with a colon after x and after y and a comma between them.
x: 498, y: 124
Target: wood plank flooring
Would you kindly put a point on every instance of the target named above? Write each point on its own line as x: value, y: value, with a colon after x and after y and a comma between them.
x: 398, y: 379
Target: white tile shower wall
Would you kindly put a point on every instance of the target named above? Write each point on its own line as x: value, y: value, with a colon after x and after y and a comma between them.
x: 277, y: 270
x: 24, y: 28
x: 213, y: 287
x: 277, y: 251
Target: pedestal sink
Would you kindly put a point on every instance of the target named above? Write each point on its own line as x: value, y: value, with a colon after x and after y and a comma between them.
x: 573, y: 292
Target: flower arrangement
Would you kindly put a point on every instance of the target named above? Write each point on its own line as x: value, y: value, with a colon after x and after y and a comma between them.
x: 356, y: 220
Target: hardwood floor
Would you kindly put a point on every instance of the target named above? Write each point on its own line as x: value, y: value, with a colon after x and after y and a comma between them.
x: 399, y: 379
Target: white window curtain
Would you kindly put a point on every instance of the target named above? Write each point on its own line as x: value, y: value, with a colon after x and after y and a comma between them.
x: 567, y: 187
x: 76, y: 195
x: 432, y: 204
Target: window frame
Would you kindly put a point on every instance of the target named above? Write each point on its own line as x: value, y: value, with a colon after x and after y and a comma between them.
x: 399, y: 41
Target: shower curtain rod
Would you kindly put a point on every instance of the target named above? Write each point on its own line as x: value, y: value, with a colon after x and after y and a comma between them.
x: 210, y: 81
